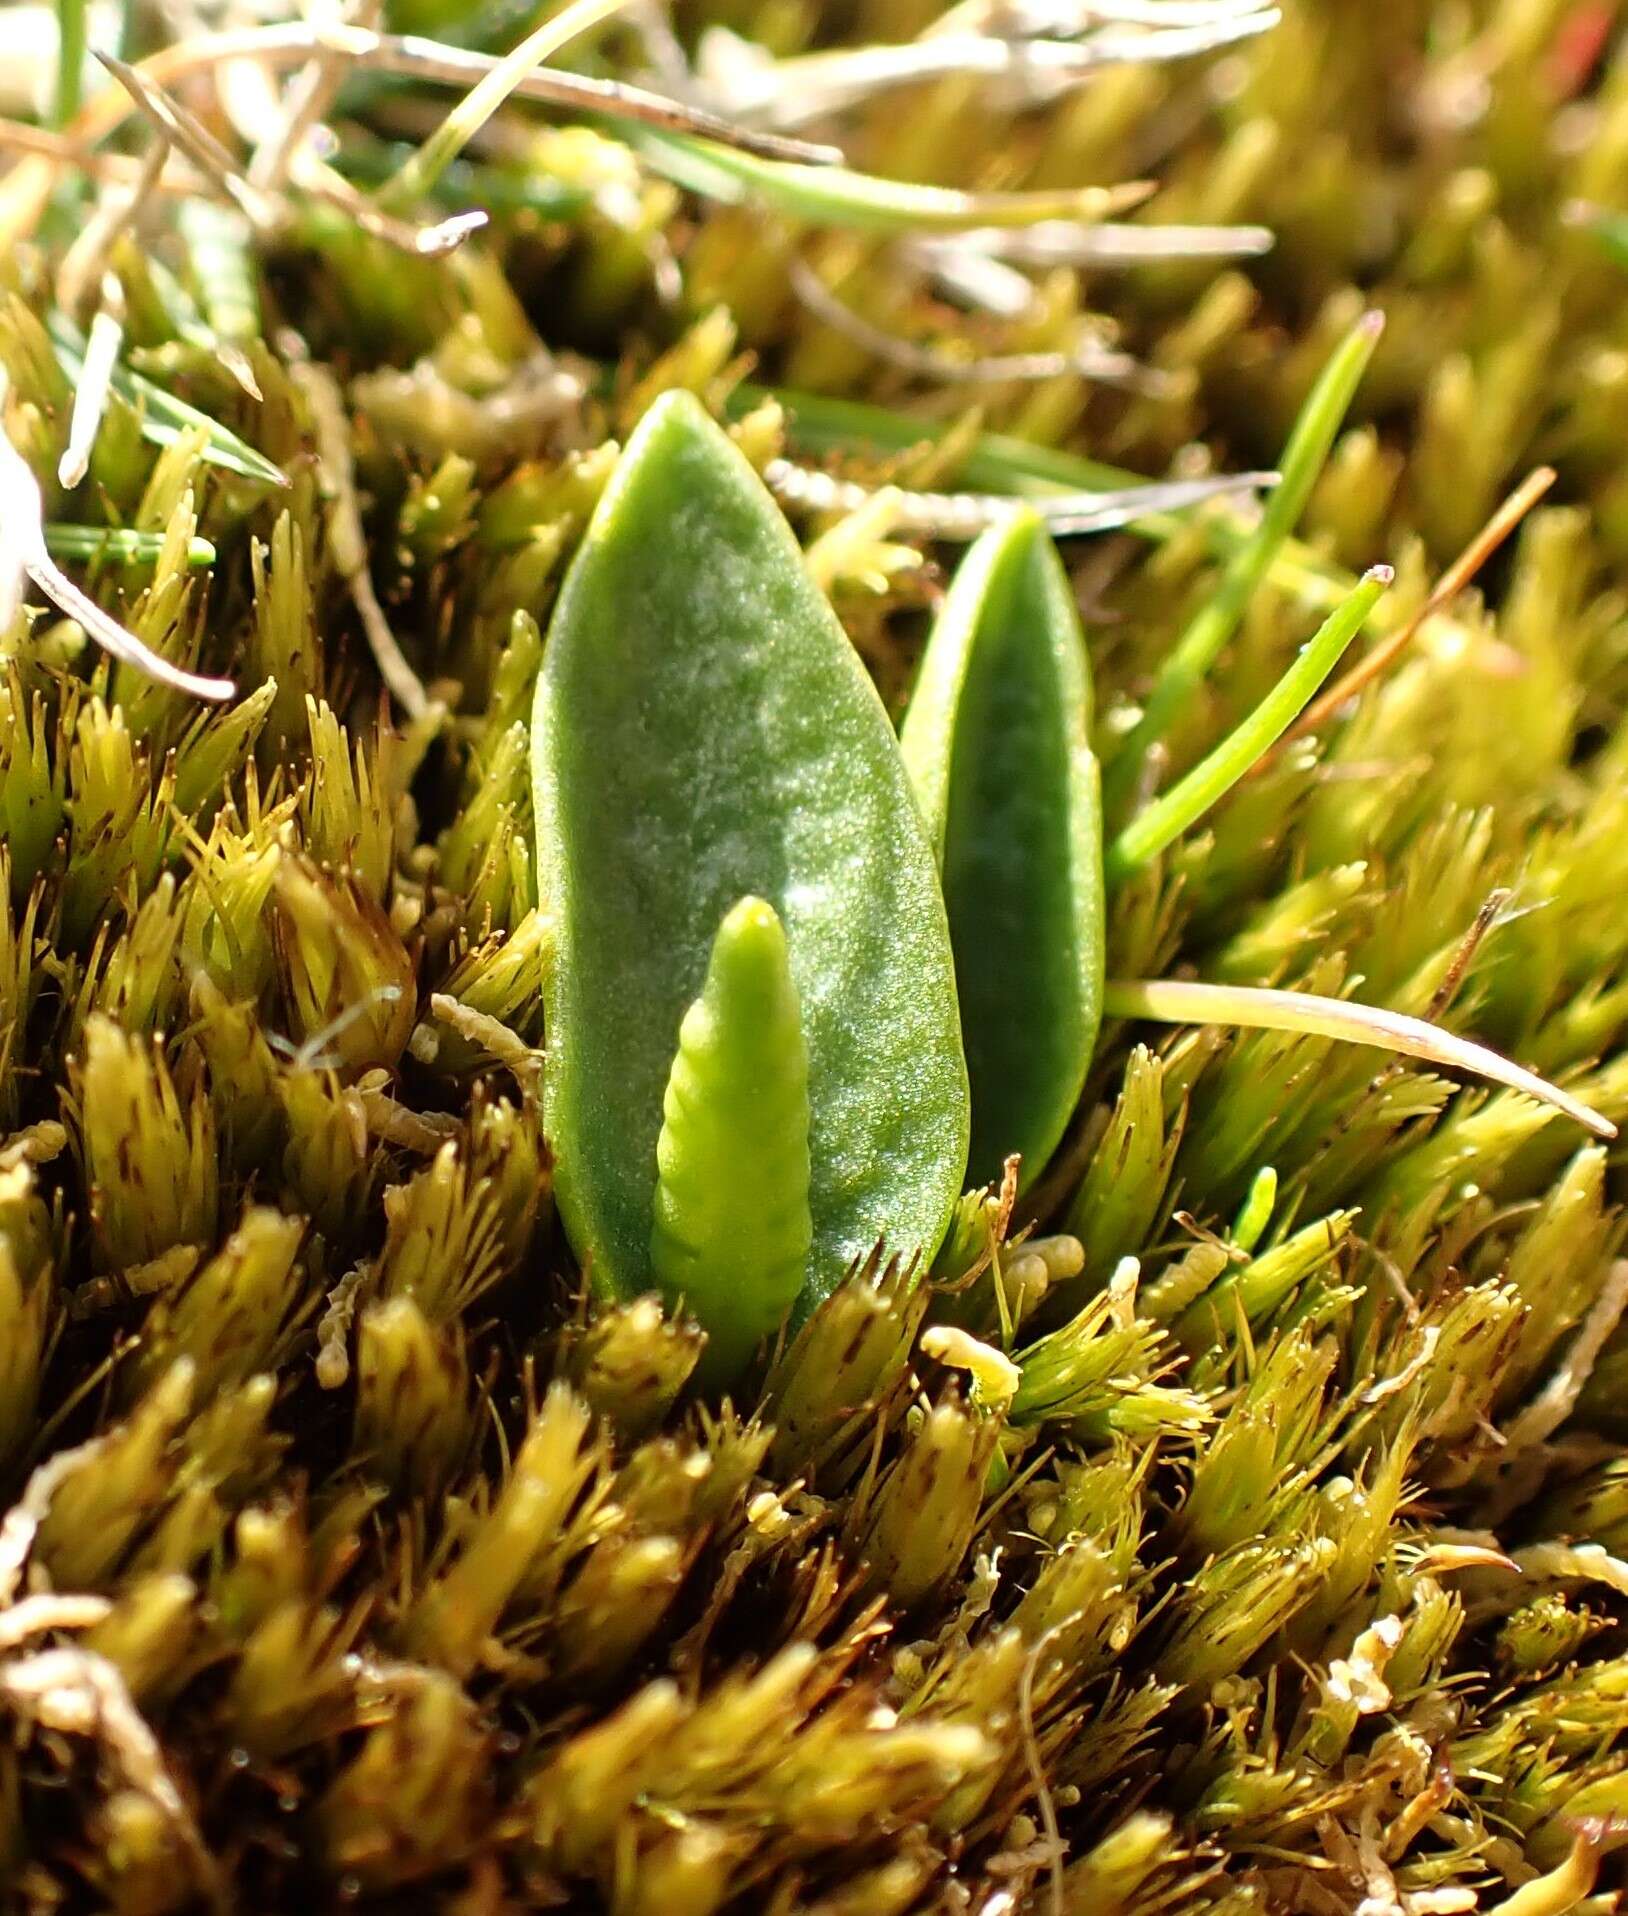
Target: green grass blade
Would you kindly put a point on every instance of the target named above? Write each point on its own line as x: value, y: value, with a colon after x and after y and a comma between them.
x: 1213, y: 777
x: 462, y: 184
x: 164, y: 417
x: 1202, y: 643
x: 838, y: 196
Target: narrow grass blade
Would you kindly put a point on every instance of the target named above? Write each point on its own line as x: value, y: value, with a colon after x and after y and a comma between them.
x: 838, y: 196
x: 791, y: 93
x: 498, y: 189
x: 164, y: 417
x: 1256, y: 1010
x: 1453, y: 581
x: 116, y: 641
x: 1106, y: 243
x: 411, y: 57
x: 1209, y: 781
x: 960, y: 516
x: 1201, y: 644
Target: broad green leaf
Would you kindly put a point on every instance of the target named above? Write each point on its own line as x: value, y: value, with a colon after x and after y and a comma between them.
x: 703, y: 733
x: 997, y: 744
x: 732, y: 1228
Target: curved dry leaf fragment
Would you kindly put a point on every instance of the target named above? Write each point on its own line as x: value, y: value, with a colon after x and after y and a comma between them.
x: 23, y: 554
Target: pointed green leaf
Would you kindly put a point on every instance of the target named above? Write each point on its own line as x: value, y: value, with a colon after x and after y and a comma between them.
x: 705, y: 732
x: 997, y: 741
x: 732, y: 1229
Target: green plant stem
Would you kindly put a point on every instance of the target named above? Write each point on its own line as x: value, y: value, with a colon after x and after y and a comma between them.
x: 1213, y: 777
x: 118, y: 543
x: 1202, y: 643
x: 71, y: 43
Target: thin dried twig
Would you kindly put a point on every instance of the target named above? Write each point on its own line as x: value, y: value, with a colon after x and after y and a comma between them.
x: 790, y: 93
x: 333, y: 1330
x: 420, y: 171
x: 1030, y: 19
x: 116, y: 213
x: 292, y: 43
x: 961, y: 516
x: 262, y: 120
x: 195, y: 140
x: 308, y: 97
x: 1101, y: 243
x: 322, y: 182
x: 81, y: 1694
x: 491, y: 1035
x: 35, y: 1616
x: 95, y: 382
x: 23, y: 554
x: 1554, y: 1404
x: 1090, y: 360
x: 349, y: 541
x: 21, y: 1523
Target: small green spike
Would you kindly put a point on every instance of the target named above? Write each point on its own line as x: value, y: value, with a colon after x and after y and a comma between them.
x: 732, y: 1228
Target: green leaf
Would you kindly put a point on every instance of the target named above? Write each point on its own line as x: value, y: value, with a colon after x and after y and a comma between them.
x: 704, y: 732
x: 997, y: 741
x: 732, y: 1229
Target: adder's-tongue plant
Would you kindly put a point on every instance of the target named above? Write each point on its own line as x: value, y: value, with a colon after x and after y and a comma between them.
x: 856, y: 925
